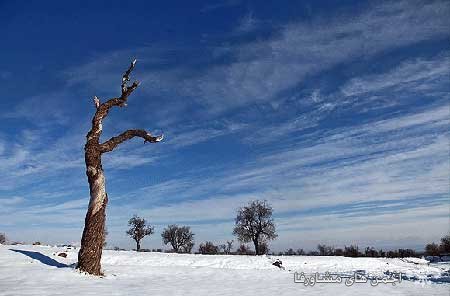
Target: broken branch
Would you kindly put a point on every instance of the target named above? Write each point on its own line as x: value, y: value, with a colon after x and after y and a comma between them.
x: 96, y: 102
x: 127, y: 135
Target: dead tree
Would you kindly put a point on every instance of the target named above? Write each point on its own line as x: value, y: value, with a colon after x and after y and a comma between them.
x: 94, y: 229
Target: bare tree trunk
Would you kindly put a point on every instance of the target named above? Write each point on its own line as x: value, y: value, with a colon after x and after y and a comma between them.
x: 89, y: 256
x: 256, y: 243
x: 93, y: 235
x: 175, y: 247
x: 138, y: 246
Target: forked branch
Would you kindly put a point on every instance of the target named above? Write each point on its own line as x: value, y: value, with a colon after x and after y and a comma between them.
x: 103, y: 108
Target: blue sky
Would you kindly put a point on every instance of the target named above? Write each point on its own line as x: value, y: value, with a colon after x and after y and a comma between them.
x: 336, y: 113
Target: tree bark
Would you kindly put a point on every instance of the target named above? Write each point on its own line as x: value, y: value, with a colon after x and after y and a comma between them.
x: 138, y: 246
x: 93, y: 238
x: 93, y: 235
x: 256, y: 243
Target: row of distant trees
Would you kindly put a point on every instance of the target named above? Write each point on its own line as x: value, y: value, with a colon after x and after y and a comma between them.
x: 254, y: 223
x: 432, y: 249
x: 351, y: 251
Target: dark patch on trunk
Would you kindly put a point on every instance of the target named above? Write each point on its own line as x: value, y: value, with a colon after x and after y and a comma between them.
x: 90, y: 253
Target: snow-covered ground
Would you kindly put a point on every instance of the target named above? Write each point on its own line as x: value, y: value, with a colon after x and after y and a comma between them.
x: 37, y: 270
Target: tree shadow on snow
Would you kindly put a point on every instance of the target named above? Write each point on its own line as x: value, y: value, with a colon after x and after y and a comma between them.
x: 42, y: 258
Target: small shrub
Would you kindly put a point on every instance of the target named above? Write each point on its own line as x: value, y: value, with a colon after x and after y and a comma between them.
x: 243, y: 250
x: 351, y: 251
x: 338, y: 252
x: 402, y: 253
x: 208, y: 248
x: 300, y: 252
x: 392, y: 254
x: 290, y: 252
x: 370, y: 252
x: 2, y: 238
x: 325, y: 250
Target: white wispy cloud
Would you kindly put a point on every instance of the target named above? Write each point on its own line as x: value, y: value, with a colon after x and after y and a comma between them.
x: 10, y: 201
x: 43, y: 110
x: 35, y: 155
x: 419, y: 70
x: 263, y: 69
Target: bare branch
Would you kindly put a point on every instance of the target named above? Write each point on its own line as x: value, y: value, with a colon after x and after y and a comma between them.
x: 127, y: 90
x: 127, y: 135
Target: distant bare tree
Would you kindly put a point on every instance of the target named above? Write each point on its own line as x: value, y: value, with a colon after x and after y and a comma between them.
x: 179, y: 237
x: 94, y: 229
x: 2, y: 238
x: 254, y: 223
x: 139, y: 229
